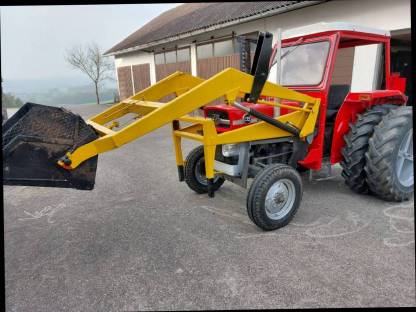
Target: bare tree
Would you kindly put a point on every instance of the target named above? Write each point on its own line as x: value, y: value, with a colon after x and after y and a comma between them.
x: 89, y: 59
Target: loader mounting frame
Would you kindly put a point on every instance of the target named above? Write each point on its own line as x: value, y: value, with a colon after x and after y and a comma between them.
x: 193, y: 93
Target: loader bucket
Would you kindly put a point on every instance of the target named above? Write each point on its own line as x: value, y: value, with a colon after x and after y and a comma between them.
x: 35, y: 137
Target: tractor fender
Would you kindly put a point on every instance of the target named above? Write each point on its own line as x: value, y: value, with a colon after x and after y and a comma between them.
x: 354, y: 104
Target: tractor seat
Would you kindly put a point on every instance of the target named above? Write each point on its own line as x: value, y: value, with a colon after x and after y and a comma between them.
x: 336, y: 97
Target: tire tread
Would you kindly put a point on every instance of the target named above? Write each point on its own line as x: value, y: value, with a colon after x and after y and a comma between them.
x: 258, y: 189
x: 379, y: 166
x: 356, y: 145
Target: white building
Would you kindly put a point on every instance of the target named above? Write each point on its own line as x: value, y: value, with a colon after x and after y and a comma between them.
x: 200, y: 38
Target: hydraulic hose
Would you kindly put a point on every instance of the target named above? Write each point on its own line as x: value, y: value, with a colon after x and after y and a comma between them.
x: 268, y: 119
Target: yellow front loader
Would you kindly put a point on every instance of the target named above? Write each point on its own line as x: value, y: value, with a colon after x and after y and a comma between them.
x: 49, y: 146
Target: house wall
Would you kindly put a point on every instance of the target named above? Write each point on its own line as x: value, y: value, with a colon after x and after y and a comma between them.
x: 384, y: 14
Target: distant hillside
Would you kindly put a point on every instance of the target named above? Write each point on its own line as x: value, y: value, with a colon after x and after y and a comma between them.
x: 10, y: 101
x: 74, y: 95
x: 60, y: 91
x: 41, y: 85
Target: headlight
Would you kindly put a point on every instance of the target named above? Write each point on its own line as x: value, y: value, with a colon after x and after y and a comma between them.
x: 229, y: 150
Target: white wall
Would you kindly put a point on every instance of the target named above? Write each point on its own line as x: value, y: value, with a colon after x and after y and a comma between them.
x: 364, y: 69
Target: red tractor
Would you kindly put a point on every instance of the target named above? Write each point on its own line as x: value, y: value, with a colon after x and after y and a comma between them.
x: 369, y: 133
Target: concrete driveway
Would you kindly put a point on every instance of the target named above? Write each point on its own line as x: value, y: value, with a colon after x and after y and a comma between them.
x: 143, y: 241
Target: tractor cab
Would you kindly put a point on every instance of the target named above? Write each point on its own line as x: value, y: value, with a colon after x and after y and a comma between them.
x: 317, y: 60
x: 315, y: 64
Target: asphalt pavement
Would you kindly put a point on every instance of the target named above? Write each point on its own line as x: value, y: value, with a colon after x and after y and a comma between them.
x: 143, y: 241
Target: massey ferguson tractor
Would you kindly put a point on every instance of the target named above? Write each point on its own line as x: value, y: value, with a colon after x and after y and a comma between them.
x: 368, y: 133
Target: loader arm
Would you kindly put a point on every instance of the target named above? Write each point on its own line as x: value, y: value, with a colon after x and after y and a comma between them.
x: 51, y: 146
x: 192, y: 93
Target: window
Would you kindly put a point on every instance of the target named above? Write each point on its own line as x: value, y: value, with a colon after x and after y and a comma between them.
x: 183, y: 55
x: 160, y: 58
x: 304, y: 64
x: 170, y: 57
x: 223, y: 48
x: 174, y: 56
x: 219, y: 48
x: 204, y: 51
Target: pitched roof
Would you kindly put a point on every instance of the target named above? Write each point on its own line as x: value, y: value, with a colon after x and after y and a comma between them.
x: 192, y: 17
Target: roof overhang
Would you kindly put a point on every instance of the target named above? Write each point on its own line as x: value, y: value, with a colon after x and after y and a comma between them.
x: 215, y: 27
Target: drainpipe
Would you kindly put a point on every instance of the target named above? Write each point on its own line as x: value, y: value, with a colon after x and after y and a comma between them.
x: 278, y: 66
x: 194, y: 66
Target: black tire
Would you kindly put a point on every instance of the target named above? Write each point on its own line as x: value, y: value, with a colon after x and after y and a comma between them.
x: 254, y: 187
x: 195, y: 161
x: 256, y: 197
x: 302, y: 169
x: 356, y: 145
x: 383, y: 152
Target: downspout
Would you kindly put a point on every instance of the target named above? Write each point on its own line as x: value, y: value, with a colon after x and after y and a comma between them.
x: 276, y: 111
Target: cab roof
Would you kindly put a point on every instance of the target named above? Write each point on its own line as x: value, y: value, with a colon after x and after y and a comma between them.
x: 331, y: 27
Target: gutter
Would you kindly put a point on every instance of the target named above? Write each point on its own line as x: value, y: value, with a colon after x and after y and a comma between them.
x: 216, y: 27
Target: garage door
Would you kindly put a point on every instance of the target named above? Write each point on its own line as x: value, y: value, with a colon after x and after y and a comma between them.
x: 164, y: 70
x: 168, y: 62
x: 132, y: 79
x: 171, y: 61
x: 215, y: 57
x: 210, y: 66
x: 125, y: 83
x: 141, y: 77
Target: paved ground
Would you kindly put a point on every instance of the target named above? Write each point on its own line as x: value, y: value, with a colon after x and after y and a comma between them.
x: 142, y: 241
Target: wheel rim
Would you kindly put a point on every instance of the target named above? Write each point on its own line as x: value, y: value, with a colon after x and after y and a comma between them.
x: 404, y: 162
x: 279, y: 199
x: 200, y: 172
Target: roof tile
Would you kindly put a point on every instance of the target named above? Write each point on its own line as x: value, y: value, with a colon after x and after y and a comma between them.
x: 195, y: 16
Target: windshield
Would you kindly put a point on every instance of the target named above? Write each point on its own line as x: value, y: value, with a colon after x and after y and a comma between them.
x: 304, y: 64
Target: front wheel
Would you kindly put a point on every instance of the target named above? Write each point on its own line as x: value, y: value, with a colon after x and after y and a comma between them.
x: 274, y: 197
x: 195, y: 172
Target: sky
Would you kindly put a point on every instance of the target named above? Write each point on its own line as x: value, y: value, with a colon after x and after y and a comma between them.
x: 34, y: 38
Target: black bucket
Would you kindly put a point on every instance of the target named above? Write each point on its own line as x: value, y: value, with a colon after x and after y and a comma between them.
x: 34, y: 139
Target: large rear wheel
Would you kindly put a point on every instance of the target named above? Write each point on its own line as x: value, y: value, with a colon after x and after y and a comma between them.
x: 389, y: 160
x: 356, y: 145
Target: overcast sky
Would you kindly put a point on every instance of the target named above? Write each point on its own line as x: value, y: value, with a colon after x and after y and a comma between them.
x: 34, y: 38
